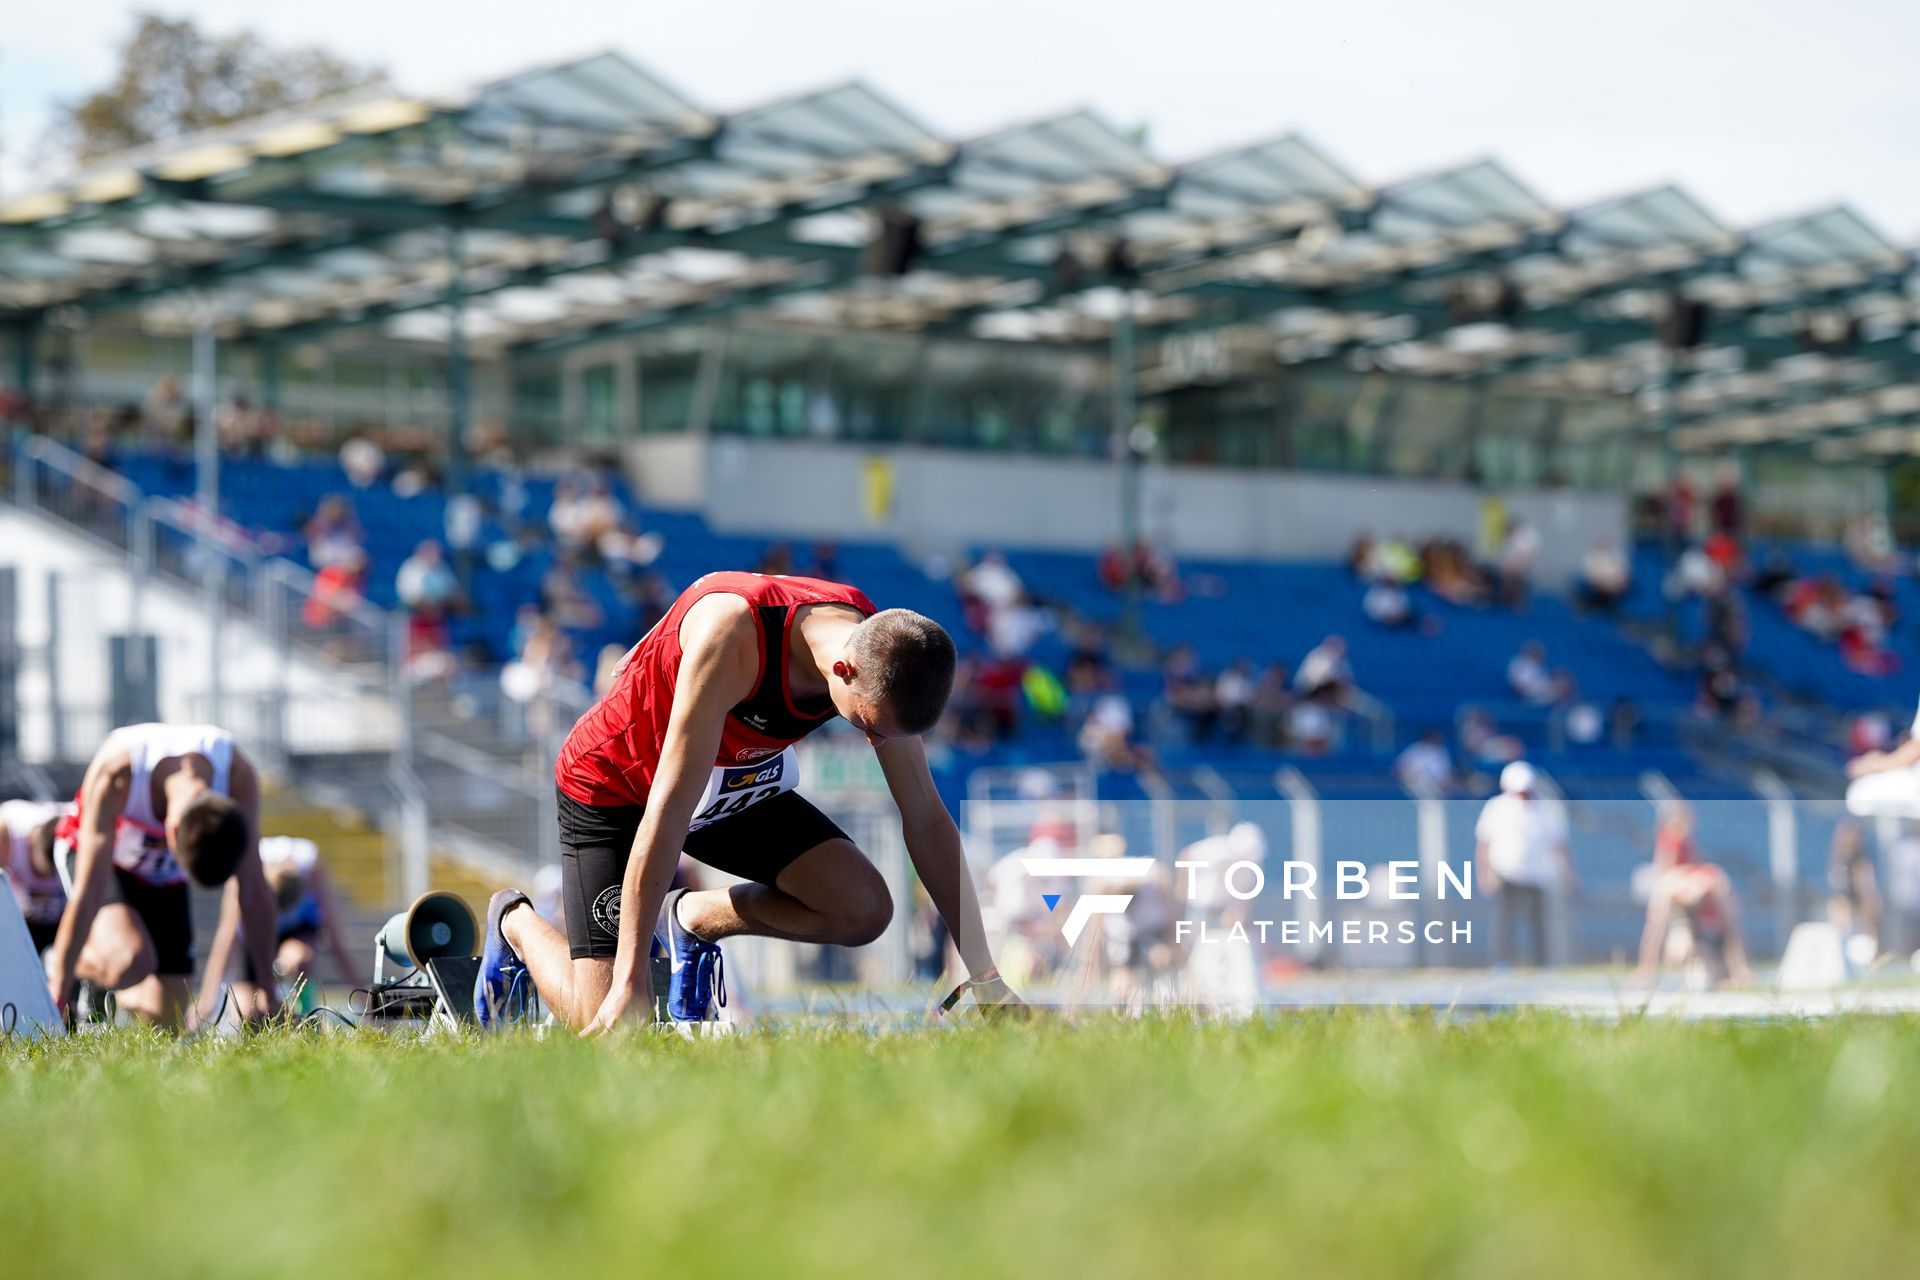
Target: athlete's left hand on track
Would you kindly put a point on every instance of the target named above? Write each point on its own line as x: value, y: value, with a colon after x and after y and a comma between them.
x: 996, y: 1000
x: 613, y: 1010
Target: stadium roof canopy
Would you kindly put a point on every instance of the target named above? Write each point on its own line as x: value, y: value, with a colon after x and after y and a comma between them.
x: 574, y: 202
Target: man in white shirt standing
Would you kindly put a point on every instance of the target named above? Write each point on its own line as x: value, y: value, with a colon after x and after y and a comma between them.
x: 1886, y: 784
x: 1520, y: 851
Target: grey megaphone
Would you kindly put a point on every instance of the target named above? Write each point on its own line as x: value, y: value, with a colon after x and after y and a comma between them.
x: 437, y: 924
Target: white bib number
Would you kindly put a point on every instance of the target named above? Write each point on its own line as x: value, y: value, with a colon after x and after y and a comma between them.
x: 736, y: 787
x: 146, y: 856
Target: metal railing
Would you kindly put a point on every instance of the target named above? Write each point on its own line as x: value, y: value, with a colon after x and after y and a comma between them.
x: 339, y: 686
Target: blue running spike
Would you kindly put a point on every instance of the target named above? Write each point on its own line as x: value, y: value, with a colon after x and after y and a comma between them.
x: 699, y: 978
x: 500, y: 988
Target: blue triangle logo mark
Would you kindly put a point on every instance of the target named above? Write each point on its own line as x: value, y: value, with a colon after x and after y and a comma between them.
x: 1051, y: 899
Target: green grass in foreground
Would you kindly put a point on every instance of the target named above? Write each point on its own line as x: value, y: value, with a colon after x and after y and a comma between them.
x: 1350, y: 1145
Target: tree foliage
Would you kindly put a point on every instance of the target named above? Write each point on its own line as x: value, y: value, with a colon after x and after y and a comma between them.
x: 174, y: 79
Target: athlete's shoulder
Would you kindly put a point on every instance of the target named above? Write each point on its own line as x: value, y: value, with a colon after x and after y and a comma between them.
x: 111, y: 770
x: 720, y: 620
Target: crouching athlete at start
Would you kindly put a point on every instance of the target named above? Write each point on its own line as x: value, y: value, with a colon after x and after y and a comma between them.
x: 161, y: 805
x: 692, y: 749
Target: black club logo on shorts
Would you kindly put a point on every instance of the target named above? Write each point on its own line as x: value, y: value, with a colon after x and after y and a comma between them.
x: 606, y: 910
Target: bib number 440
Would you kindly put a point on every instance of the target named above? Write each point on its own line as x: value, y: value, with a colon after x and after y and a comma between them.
x: 727, y: 806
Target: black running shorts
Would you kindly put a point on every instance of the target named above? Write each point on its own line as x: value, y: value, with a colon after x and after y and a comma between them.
x: 757, y: 844
x: 167, y: 912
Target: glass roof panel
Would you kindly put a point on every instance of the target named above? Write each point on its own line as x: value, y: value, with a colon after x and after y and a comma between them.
x: 1663, y: 218
x: 601, y: 94
x: 1818, y: 247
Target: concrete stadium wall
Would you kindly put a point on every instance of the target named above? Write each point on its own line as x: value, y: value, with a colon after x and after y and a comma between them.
x: 321, y: 708
x: 943, y: 500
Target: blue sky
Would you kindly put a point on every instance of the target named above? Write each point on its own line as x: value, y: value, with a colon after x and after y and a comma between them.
x: 1762, y: 109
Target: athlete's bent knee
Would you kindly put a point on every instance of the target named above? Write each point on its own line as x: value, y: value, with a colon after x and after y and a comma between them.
x: 864, y: 917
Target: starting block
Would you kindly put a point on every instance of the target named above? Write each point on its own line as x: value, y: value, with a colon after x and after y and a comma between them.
x: 26, y: 1007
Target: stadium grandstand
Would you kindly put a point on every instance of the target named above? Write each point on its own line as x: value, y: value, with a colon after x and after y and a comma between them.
x: 1244, y: 483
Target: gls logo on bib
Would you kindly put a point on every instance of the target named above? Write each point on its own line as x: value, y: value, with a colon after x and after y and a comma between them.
x: 733, y: 788
x: 734, y: 779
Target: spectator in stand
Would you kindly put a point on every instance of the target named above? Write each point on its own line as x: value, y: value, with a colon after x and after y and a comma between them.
x: 1518, y: 559
x: 1726, y: 556
x: 1680, y: 507
x: 545, y: 657
x: 428, y: 589
x: 1864, y: 621
x: 1484, y: 744
x: 567, y: 516
x: 1605, y: 577
x: 970, y: 723
x: 653, y: 600
x: 1776, y: 572
x: 415, y: 477
x: 1885, y: 599
x: 363, y: 461
x: 1685, y: 889
x: 1451, y: 573
x: 425, y: 584
x: 600, y: 513
x: 1087, y: 676
x: 1425, y: 768
x: 1722, y: 695
x: 1520, y: 852
x: 1623, y: 723
x: 777, y: 559
x: 1310, y: 723
x: 337, y: 589
x: 826, y: 562
x: 1387, y: 604
x: 624, y: 549
x: 1726, y: 509
x: 1272, y: 707
x: 1870, y: 546
x: 1233, y: 695
x: 1011, y: 630
x: 164, y: 411
x: 998, y: 681
x: 1324, y: 672
x: 1528, y: 677
x: 548, y: 650
x: 1853, y: 895
x: 1187, y: 695
x: 333, y: 534
x: 1395, y: 560
x: 1816, y: 604
x: 565, y: 599
x: 1726, y: 623
x: 1146, y: 567
x: 1695, y: 574
x: 1360, y: 555
x: 1158, y: 573
x: 993, y: 582
x: 1107, y: 736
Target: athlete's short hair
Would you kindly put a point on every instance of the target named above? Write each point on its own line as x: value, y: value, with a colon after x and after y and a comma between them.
x: 210, y: 839
x: 288, y: 885
x: 40, y: 846
x: 905, y: 660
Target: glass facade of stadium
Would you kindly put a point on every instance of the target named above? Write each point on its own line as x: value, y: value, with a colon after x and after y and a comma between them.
x: 1216, y: 399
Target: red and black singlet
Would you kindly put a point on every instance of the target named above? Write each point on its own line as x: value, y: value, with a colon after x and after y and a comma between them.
x: 610, y: 756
